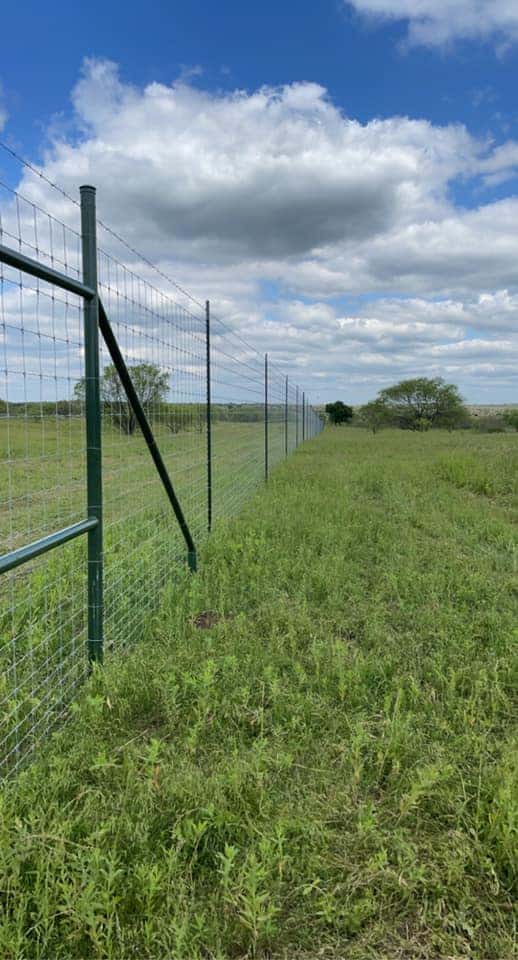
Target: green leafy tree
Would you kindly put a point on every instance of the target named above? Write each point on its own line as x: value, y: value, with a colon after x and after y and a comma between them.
x: 339, y: 412
x: 421, y: 403
x: 510, y: 418
x: 150, y: 382
x: 375, y: 415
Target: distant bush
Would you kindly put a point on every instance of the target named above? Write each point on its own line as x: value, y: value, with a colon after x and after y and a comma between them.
x: 374, y: 415
x: 510, y: 418
x: 339, y: 412
x: 491, y: 423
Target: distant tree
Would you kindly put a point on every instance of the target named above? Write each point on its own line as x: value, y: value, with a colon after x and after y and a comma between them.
x: 67, y: 408
x: 151, y: 384
x: 375, y: 415
x: 338, y: 412
x: 510, y: 418
x: 421, y: 403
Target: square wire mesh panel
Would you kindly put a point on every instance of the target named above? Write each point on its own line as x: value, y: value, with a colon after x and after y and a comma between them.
x: 42, y: 479
x: 278, y: 422
x: 238, y: 412
x: 163, y: 345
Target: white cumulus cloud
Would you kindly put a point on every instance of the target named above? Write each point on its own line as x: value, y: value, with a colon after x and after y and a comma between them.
x: 436, y: 22
x: 274, y: 173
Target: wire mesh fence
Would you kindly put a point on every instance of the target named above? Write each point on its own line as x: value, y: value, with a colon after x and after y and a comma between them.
x: 163, y: 345
x: 220, y: 414
x: 42, y: 479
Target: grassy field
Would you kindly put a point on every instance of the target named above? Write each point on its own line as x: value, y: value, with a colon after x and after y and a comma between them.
x: 312, y: 752
x: 42, y: 489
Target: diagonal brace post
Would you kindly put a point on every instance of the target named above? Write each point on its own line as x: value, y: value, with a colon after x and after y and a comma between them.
x: 143, y: 422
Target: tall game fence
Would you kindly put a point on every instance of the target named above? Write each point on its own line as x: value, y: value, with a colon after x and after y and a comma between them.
x: 131, y: 421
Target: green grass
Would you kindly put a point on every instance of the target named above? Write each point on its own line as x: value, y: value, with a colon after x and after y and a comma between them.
x: 42, y: 489
x: 330, y: 769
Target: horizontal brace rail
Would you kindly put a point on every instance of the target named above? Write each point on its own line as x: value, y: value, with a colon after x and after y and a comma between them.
x: 20, y: 262
x: 125, y: 378
x: 14, y: 559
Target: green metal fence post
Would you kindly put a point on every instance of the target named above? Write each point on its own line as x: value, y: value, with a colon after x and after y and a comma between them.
x: 286, y: 420
x: 209, y: 421
x: 266, y: 416
x: 303, y: 416
x: 93, y: 427
x: 296, y: 417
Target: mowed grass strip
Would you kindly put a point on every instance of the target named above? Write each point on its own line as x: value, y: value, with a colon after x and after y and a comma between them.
x: 313, y: 752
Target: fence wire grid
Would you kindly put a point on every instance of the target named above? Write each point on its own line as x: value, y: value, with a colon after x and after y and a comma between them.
x: 173, y: 351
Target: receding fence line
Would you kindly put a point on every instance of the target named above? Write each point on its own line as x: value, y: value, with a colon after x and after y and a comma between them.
x: 150, y: 340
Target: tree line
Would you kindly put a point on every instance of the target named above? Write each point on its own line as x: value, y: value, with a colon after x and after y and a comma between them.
x: 152, y: 386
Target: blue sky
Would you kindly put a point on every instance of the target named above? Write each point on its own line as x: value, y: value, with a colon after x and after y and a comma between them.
x: 364, y: 67
x: 242, y: 45
x: 417, y: 157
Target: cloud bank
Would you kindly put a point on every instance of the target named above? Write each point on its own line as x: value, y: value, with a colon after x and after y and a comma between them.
x: 280, y: 209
